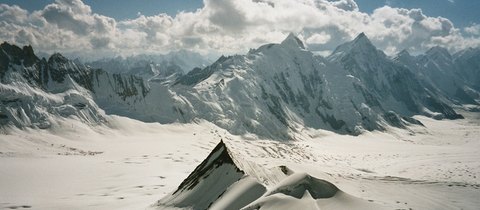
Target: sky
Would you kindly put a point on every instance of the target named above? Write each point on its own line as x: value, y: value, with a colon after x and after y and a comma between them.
x: 124, y: 27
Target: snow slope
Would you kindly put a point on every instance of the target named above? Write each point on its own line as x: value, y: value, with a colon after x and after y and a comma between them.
x: 395, y: 170
x: 127, y: 164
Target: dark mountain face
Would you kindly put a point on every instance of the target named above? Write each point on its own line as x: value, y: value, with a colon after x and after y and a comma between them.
x: 218, y: 157
x: 11, y: 55
x: 208, y: 182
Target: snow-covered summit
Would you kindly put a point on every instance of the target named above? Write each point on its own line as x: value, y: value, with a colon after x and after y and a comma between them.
x: 361, y: 47
x: 207, y: 183
x: 438, y: 51
x: 293, y: 42
x: 405, y: 58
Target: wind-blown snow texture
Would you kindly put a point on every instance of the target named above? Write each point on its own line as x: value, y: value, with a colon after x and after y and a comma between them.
x: 273, y: 91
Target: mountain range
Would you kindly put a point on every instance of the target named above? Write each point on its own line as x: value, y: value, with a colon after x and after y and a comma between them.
x: 274, y: 91
x: 152, y: 66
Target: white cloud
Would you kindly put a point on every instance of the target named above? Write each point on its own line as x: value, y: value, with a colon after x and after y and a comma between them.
x: 348, y: 5
x: 13, y: 14
x: 229, y: 26
x: 319, y: 38
x: 474, y: 29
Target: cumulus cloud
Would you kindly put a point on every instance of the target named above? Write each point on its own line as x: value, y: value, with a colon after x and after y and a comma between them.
x: 12, y: 14
x: 229, y: 26
x: 348, y: 5
x: 474, y: 29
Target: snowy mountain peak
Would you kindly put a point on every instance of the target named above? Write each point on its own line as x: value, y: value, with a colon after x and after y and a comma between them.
x: 218, y: 157
x: 293, y: 41
x: 404, y: 57
x: 467, y: 52
x: 362, y: 42
x: 57, y: 58
x: 207, y: 182
x: 438, y: 56
x: 437, y: 49
x: 361, y: 36
x: 438, y: 53
x: 403, y: 53
x: 360, y: 45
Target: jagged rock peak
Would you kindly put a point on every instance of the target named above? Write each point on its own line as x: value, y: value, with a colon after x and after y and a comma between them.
x: 403, y: 56
x: 293, y: 40
x: 28, y: 50
x: 467, y: 53
x: 361, y: 36
x: 219, y: 156
x: 361, y: 44
x: 17, y: 54
x: 14, y: 50
x: 438, y: 51
x: 58, y: 58
x: 362, y: 41
x: 7, y: 47
x: 403, y: 53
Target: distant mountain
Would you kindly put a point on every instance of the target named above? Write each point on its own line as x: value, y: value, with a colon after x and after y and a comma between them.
x: 152, y: 66
x: 454, y: 76
x: 391, y: 86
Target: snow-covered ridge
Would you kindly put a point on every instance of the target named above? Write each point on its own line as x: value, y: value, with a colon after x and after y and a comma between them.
x: 207, y: 182
x: 219, y: 183
x: 36, y: 93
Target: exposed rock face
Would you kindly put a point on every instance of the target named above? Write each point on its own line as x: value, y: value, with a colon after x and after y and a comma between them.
x: 35, y: 91
x: 218, y: 183
x: 207, y: 182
